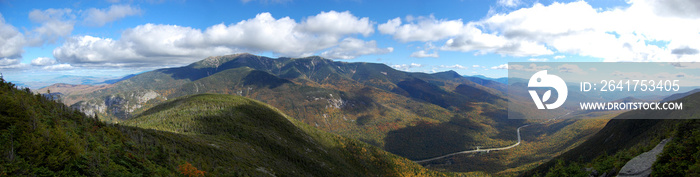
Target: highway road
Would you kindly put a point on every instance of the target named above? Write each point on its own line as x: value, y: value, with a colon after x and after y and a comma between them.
x: 477, y: 150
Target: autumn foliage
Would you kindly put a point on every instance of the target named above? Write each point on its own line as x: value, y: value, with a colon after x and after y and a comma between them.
x: 188, y: 170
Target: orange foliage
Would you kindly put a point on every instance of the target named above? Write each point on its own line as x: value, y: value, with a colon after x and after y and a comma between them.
x: 188, y: 170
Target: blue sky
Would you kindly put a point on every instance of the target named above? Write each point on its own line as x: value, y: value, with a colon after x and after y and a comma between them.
x: 41, y: 39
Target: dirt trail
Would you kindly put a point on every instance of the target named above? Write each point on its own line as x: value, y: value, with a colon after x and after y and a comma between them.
x: 641, y: 165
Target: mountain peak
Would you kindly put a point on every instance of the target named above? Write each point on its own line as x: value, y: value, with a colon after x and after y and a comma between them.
x: 447, y: 74
x: 314, y: 57
x: 216, y: 61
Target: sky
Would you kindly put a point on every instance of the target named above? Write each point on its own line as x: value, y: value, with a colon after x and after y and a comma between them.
x: 112, y: 38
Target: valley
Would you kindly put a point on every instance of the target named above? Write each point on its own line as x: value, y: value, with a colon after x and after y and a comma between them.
x: 414, y: 115
x: 198, y: 135
x: 487, y: 150
x: 437, y: 124
x: 349, y: 88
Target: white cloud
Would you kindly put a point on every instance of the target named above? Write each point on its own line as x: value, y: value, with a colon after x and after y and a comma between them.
x: 460, y: 36
x: 6, y: 63
x: 337, y: 23
x: 647, y: 30
x: 406, y: 67
x: 421, y: 29
x: 11, y: 41
x: 154, y: 45
x: 473, y: 39
x: 390, y: 27
x: 559, y: 57
x: 620, y: 34
x: 676, y: 8
x: 351, y: 48
x: 424, y: 54
x: 55, y: 24
x: 43, y: 61
x: 456, y: 66
x: 100, y: 17
x: 58, y: 67
x: 509, y: 3
x: 503, y: 66
x: 283, y: 36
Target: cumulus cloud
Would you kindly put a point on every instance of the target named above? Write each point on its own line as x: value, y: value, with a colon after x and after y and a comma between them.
x: 132, y: 50
x: 628, y: 33
x: 424, y: 54
x: 559, y: 57
x: 100, y: 17
x: 284, y: 36
x: 155, y: 44
x: 464, y: 37
x: 337, y: 23
x: 406, y: 67
x: 473, y: 39
x: 6, y: 63
x: 43, y: 61
x: 11, y: 41
x: 456, y: 66
x: 621, y: 34
x: 58, y: 67
x: 503, y: 66
x: 55, y: 24
x: 422, y: 29
x: 675, y: 8
x: 509, y: 3
x: 351, y: 48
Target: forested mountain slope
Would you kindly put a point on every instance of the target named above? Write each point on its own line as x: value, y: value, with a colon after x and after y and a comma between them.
x: 633, y: 133
x: 223, y: 135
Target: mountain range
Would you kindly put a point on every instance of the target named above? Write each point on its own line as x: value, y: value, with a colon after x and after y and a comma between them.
x: 413, y: 115
x: 363, y: 101
x: 198, y: 135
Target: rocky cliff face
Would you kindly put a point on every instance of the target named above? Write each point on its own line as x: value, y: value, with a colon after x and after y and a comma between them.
x: 121, y: 106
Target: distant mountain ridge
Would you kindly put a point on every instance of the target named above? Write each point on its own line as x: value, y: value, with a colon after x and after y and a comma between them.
x: 503, y: 80
x: 332, y: 95
x: 370, y: 102
x: 72, y: 80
